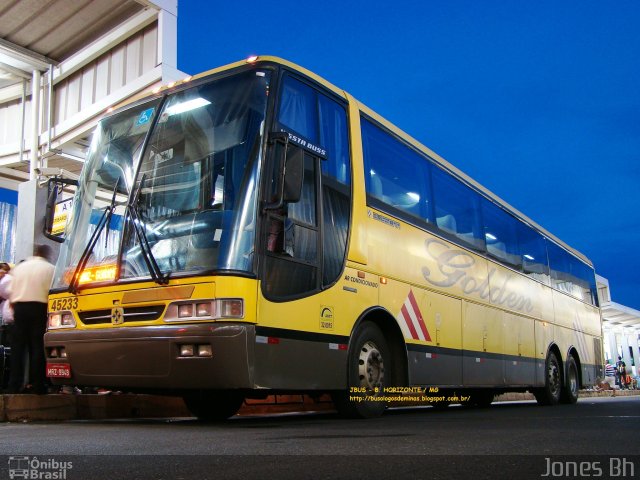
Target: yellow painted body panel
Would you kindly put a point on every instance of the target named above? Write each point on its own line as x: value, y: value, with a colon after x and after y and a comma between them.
x: 151, y: 294
x: 442, y: 315
x: 347, y: 300
x: 489, y: 308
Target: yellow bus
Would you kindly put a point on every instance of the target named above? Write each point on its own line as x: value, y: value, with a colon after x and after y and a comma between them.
x: 255, y: 230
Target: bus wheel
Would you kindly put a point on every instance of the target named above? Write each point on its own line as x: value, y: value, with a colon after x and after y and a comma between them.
x: 550, y: 393
x: 214, y: 405
x: 572, y: 383
x: 368, y: 373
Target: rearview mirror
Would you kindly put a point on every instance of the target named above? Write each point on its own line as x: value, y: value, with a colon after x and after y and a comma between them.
x: 288, y: 171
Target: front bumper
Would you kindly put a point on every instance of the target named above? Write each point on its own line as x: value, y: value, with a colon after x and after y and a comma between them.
x: 148, y: 358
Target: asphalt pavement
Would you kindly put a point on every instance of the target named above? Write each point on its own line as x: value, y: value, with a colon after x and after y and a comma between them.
x: 508, y: 440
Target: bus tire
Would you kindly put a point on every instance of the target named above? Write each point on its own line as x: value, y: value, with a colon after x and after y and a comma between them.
x: 368, y: 373
x: 550, y: 393
x: 571, y: 387
x: 213, y: 405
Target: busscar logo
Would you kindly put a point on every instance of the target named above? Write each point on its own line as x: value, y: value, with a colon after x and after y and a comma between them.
x: 326, y: 318
x: 37, y: 469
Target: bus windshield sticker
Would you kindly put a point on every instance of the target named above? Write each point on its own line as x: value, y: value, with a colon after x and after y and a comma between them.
x: 145, y: 116
x: 163, y: 156
x: 306, y: 144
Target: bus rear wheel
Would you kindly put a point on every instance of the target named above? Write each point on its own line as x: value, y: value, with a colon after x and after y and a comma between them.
x: 213, y: 405
x: 550, y: 393
x: 369, y: 370
x: 571, y: 387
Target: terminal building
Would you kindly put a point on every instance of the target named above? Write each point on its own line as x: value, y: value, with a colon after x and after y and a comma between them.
x: 64, y: 64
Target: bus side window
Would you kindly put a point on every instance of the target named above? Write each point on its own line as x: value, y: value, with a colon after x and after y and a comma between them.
x: 500, y: 231
x: 395, y: 174
x: 533, y: 250
x: 457, y: 209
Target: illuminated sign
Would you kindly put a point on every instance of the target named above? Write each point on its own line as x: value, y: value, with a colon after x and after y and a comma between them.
x: 60, y: 216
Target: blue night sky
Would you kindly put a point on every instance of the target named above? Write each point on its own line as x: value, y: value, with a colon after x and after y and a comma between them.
x: 537, y: 101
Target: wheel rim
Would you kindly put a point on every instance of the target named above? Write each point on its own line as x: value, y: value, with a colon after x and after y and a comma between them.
x: 573, y: 381
x: 554, y: 378
x: 371, y: 367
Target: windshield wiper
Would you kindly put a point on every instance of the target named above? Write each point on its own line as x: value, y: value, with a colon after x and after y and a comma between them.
x: 84, y: 258
x: 147, y: 255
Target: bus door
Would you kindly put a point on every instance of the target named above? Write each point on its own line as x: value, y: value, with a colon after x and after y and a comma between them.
x: 305, y: 221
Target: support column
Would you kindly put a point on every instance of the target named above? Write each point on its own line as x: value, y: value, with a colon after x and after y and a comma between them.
x: 625, y: 350
x: 613, y: 346
x: 35, y: 123
x: 30, y: 222
x: 633, y: 343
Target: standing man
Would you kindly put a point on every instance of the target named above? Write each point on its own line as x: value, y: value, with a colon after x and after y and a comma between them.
x: 30, y: 284
x: 621, y: 370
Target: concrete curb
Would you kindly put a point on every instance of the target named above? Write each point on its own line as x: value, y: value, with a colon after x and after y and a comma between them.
x: 56, y: 407
x: 28, y: 408
x: 514, y: 396
x: 17, y: 408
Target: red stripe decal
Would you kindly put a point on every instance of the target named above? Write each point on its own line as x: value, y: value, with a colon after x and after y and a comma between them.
x: 414, y: 304
x: 407, y: 320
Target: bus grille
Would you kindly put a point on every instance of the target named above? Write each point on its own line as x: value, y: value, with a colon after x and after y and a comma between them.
x: 131, y: 314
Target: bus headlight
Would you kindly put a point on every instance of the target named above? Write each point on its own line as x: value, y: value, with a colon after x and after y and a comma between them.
x: 204, y: 309
x: 229, y: 308
x: 61, y: 320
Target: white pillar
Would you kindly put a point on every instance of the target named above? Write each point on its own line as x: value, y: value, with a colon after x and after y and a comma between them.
x: 35, y: 123
x: 633, y: 343
x: 625, y: 350
x: 613, y: 346
x: 30, y: 223
x: 167, y: 38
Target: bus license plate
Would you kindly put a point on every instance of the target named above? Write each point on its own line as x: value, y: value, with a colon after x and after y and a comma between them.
x: 58, y: 370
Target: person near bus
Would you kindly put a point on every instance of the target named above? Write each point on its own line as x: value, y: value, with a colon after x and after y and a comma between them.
x: 6, y: 312
x: 621, y: 372
x: 610, y: 374
x: 30, y: 284
x: 6, y: 323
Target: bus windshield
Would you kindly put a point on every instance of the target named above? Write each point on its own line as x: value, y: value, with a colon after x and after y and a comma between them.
x: 180, y: 176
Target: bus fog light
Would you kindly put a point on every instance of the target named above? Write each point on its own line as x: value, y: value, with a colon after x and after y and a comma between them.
x: 203, y: 309
x: 205, y: 351
x: 67, y: 320
x: 63, y: 352
x: 186, y: 350
x: 55, y: 320
x: 185, y: 310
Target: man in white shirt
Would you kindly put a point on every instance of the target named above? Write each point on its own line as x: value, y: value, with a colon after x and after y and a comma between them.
x: 30, y: 285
